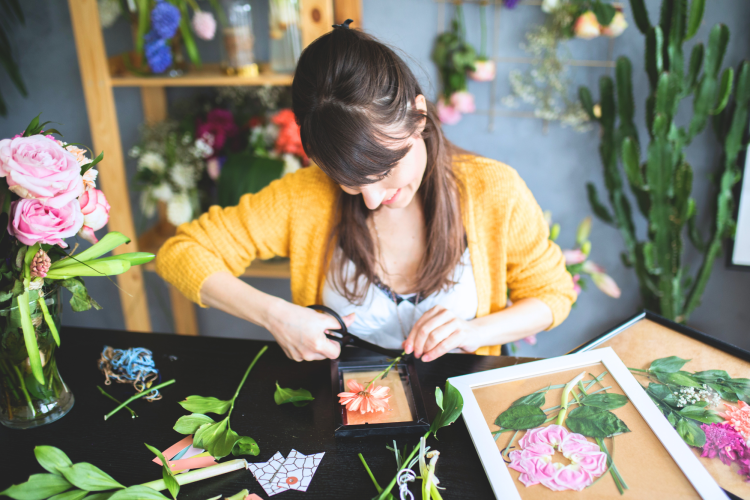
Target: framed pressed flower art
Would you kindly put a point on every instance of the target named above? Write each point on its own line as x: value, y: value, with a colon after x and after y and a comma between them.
x: 576, y: 426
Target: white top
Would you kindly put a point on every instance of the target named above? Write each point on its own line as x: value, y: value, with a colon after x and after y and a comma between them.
x: 377, y: 319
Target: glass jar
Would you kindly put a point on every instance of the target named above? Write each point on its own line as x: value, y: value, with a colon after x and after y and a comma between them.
x: 24, y: 402
x: 239, y: 42
x: 286, y: 37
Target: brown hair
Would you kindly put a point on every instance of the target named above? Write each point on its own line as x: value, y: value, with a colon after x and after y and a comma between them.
x: 348, y: 89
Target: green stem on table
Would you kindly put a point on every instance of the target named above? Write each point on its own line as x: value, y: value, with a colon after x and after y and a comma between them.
x: 48, y: 319
x: 369, y: 472
x: 138, y: 396
x: 24, y: 391
x: 132, y: 413
x: 387, y: 489
x: 200, y: 474
x: 247, y: 372
x: 502, y: 430
x: 388, y: 368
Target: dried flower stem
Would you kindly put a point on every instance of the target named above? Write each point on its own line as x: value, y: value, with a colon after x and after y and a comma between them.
x: 139, y: 395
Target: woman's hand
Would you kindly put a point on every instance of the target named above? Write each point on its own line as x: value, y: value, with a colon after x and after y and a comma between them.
x: 301, y: 331
x: 439, y: 331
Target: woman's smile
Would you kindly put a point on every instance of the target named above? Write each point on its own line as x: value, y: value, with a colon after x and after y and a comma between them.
x: 393, y: 198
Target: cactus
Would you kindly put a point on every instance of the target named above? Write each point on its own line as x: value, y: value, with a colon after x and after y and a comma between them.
x: 661, y: 181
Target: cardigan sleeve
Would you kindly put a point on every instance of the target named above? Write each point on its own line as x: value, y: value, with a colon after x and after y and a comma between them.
x: 229, y: 239
x: 535, y: 265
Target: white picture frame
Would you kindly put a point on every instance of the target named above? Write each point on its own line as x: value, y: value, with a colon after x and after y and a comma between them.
x: 495, y: 467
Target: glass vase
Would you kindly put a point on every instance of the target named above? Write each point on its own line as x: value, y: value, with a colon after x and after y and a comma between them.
x: 24, y: 402
x: 239, y: 41
x: 286, y: 38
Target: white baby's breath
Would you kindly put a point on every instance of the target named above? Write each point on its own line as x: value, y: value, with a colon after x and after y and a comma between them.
x: 183, y: 176
x: 162, y: 192
x: 152, y: 161
x: 179, y: 209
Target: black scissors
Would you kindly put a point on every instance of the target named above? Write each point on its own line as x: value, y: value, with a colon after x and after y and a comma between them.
x: 343, y: 337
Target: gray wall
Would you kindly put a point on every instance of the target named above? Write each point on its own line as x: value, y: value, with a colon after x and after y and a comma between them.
x: 556, y: 164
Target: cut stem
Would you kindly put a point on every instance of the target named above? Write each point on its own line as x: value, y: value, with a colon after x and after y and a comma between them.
x: 132, y: 413
x: 24, y: 391
x: 200, y: 474
x: 566, y: 393
x: 48, y: 319
x: 138, y: 396
x: 247, y: 372
x: 369, y: 473
x: 388, y: 368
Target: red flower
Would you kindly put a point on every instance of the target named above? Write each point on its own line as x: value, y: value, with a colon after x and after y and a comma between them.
x: 289, y: 140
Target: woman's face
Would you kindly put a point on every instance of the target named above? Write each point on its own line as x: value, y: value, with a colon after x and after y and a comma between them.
x: 398, y: 188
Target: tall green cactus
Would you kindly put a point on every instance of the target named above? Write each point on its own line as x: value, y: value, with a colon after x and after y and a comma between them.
x: 661, y: 183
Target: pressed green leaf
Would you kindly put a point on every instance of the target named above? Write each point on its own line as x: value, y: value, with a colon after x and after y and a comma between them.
x: 109, y: 242
x: 739, y: 382
x: 70, y: 495
x: 521, y: 417
x: 712, y: 376
x: 534, y: 399
x: 605, y: 401
x: 189, y: 424
x: 138, y: 493
x: 218, y: 439
x: 80, y: 299
x: 700, y: 414
x: 667, y: 365
x: 51, y: 459
x: 38, y: 487
x: 678, y: 378
x: 595, y: 422
x: 201, y: 404
x: 696, y: 16
x: 300, y: 397
x: 453, y: 404
x: 88, y: 477
x: 245, y: 446
x: 726, y: 393
x: 690, y: 432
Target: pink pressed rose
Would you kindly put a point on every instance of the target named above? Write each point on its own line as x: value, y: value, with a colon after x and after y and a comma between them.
x: 573, y: 257
x: 447, y: 113
x: 36, y: 167
x: 551, y: 435
x: 32, y: 222
x: 616, y: 27
x: 484, y: 71
x: 463, y: 101
x: 587, y: 26
x: 95, y: 211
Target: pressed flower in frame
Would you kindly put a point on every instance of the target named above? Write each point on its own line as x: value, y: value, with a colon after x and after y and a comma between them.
x: 366, y: 401
x: 739, y: 417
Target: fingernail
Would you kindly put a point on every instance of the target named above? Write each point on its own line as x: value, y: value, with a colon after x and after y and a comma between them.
x: 408, y: 349
x: 425, y: 358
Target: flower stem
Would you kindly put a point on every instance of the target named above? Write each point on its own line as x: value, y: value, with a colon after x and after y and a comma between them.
x: 200, y: 474
x: 48, y: 319
x: 24, y: 391
x: 132, y: 413
x: 637, y: 370
x: 137, y: 396
x: 247, y: 372
x: 369, y: 472
x: 566, y: 393
x: 387, y: 489
x: 510, y: 443
x: 369, y: 384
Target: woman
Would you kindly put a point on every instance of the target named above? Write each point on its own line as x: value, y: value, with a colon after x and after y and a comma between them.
x: 417, y: 243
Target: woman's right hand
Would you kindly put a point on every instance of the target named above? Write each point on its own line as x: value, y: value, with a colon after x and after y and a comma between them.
x: 300, y: 331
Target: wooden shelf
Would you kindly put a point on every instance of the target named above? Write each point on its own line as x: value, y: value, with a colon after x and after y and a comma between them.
x: 210, y: 75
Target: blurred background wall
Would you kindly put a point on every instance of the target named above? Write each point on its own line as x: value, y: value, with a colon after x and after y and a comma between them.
x: 555, y: 162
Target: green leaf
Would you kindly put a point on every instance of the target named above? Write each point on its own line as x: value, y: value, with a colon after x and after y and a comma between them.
x: 201, y: 404
x: 88, y: 477
x: 38, y: 487
x: 37, y: 390
x: 605, y: 401
x: 109, y: 242
x: 520, y: 417
x: 595, y: 422
x: 678, y: 378
x: 696, y: 16
x: 92, y: 163
x: 726, y: 393
x: 453, y: 404
x: 135, y: 258
x: 663, y: 393
x: 245, y: 173
x: 534, y: 399
x: 712, y: 376
x: 80, y: 299
x: 101, y: 496
x: 138, y: 493
x: 245, y: 446
x: 604, y: 13
x: 189, y: 424
x: 29, y: 336
x: 700, y: 414
x: 667, y: 365
x: 439, y: 397
x: 51, y: 459
x: 91, y: 268
x: 218, y: 439
x: 300, y: 397
x: 691, y: 432
x: 70, y: 495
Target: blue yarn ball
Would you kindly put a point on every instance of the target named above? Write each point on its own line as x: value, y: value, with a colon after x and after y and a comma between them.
x: 165, y: 18
x: 158, y: 54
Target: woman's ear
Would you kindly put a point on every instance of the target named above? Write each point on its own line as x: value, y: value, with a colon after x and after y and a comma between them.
x: 421, y: 103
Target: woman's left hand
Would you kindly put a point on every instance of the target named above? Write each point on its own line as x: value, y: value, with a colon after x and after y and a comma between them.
x: 439, y: 331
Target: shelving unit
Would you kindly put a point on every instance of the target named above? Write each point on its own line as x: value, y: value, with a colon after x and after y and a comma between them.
x: 316, y: 18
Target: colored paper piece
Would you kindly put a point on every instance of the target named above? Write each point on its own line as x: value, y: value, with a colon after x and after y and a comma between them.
x: 197, y: 462
x: 182, y: 453
x: 253, y: 496
x: 297, y: 471
x: 173, y: 450
x: 265, y: 471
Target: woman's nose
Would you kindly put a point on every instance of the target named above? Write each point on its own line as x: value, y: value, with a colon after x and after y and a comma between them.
x: 373, y: 196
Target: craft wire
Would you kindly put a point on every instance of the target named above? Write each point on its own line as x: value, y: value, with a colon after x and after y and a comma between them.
x: 135, y: 365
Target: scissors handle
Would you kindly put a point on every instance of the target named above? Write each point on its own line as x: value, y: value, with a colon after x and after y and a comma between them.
x: 344, y: 338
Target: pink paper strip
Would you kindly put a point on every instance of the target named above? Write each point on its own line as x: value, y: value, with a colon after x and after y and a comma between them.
x: 192, y: 463
x: 175, y: 449
x: 253, y: 496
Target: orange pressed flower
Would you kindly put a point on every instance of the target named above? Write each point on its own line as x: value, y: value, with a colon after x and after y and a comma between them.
x: 739, y: 418
x: 375, y: 399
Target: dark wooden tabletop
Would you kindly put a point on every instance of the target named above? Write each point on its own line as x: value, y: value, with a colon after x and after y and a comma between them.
x: 213, y: 367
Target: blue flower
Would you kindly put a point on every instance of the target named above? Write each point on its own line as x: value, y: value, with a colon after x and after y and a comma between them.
x: 158, y: 54
x: 165, y: 18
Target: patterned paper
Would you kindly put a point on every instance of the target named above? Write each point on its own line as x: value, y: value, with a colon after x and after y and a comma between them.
x: 297, y: 471
x: 265, y: 471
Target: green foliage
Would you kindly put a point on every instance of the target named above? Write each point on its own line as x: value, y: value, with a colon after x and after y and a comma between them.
x: 662, y: 184
x: 605, y: 401
x: 189, y: 424
x: 298, y: 397
x: 200, y: 404
x: 454, y: 56
x: 533, y: 399
x: 595, y: 422
x: 246, y: 173
x: 167, y: 475
x: 451, y: 405
x: 667, y: 365
x: 520, y: 417
x: 13, y: 14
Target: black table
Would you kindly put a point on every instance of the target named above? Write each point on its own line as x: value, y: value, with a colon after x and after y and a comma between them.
x: 213, y: 367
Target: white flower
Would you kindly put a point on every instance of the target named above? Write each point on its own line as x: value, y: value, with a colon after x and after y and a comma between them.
x: 549, y: 6
x: 183, y: 176
x: 134, y: 152
x: 162, y: 192
x: 148, y: 204
x: 179, y: 209
x: 291, y: 164
x: 203, y: 149
x: 152, y: 161
x: 186, y: 139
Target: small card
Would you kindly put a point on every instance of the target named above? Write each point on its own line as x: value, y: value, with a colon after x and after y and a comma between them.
x: 297, y: 471
x: 265, y: 471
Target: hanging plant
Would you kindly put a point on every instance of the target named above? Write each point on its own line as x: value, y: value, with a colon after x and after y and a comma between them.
x: 484, y: 68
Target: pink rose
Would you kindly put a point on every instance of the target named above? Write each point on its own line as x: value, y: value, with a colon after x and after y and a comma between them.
x: 36, y: 167
x: 484, y: 71
x: 95, y: 211
x: 31, y: 222
x: 447, y: 113
x: 587, y: 26
x: 463, y: 101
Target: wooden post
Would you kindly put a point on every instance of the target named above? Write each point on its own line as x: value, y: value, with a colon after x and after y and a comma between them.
x: 105, y: 132
x: 316, y: 18
x: 348, y: 9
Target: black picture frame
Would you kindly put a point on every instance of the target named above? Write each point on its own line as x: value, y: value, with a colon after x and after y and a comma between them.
x: 407, y: 370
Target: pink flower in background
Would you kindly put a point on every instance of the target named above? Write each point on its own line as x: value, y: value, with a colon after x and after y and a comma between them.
x: 602, y: 281
x: 573, y: 257
x: 36, y: 167
x: 484, y: 71
x: 213, y: 167
x: 616, y: 27
x: 531, y: 340
x: 204, y: 25
x: 576, y: 287
x: 726, y: 443
x: 739, y: 417
x: 463, y: 101
x: 587, y: 26
x: 447, y: 113
x: 95, y: 211
x: 32, y: 222
x: 218, y: 127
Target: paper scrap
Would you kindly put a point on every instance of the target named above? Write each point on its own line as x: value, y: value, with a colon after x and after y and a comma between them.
x: 197, y: 462
x: 190, y: 457
x: 253, y: 496
x: 173, y: 450
x: 265, y: 471
x: 297, y: 471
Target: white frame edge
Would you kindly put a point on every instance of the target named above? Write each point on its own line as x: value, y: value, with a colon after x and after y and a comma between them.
x: 496, y: 469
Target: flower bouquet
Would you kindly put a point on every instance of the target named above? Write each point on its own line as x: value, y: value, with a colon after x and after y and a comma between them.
x: 49, y: 195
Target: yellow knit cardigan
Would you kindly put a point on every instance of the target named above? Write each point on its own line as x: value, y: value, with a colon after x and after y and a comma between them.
x: 293, y: 217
